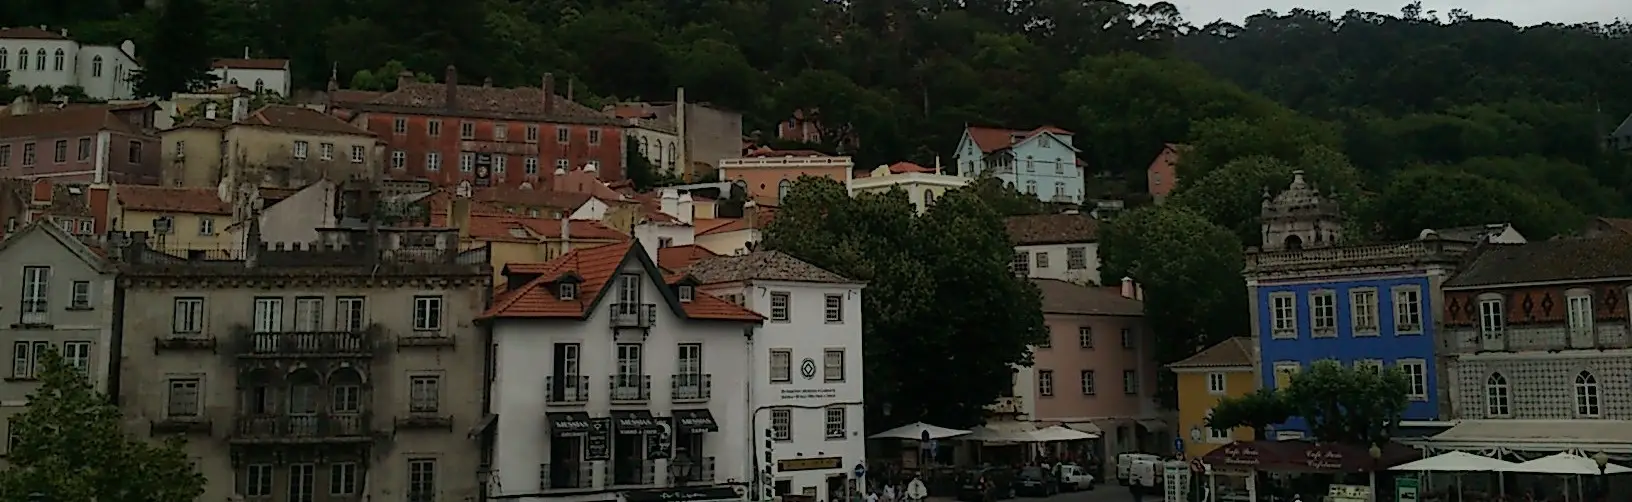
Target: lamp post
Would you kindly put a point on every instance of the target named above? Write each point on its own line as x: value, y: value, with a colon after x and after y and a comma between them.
x: 1376, y: 455
x: 1602, y: 459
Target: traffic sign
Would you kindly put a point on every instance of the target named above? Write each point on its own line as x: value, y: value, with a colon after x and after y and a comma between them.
x: 861, y: 470
x: 1178, y: 445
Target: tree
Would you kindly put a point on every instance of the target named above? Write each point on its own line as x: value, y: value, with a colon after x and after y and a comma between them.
x: 1004, y: 199
x: 1190, y: 270
x: 1349, y: 404
x: 1232, y: 195
x: 70, y: 448
x: 946, y: 320
x: 176, y: 61
x: 1259, y: 410
x: 1429, y: 197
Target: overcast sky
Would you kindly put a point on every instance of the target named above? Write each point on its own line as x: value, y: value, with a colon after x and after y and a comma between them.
x: 1521, y: 12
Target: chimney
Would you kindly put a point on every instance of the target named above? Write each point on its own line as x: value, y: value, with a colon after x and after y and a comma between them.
x: 459, y: 216
x: 937, y: 164
x: 209, y: 111
x: 487, y: 83
x: 334, y: 79
x: 246, y: 52
x: 451, y: 78
x: 1139, y: 292
x: 548, y: 91
x: 566, y: 234
x: 669, y: 202
x: 240, y: 108
x: 687, y: 209
x: 1129, y: 289
x: 405, y: 78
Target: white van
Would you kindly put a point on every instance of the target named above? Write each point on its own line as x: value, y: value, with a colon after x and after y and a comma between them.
x: 1073, y: 477
x: 1124, y: 461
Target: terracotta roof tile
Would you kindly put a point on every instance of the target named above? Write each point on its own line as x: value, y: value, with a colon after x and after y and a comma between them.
x: 1622, y: 225
x: 761, y: 265
x: 303, y: 118
x: 67, y: 121
x: 1060, y: 297
x: 520, y: 102
x: 680, y: 257
x: 1051, y: 229
x: 991, y: 139
x: 29, y: 33
x: 1235, y: 352
x: 766, y: 214
x: 594, y: 268
x: 1559, y: 260
x: 251, y: 64
x: 171, y: 200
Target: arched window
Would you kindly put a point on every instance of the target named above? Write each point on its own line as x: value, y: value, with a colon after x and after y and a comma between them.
x: 1586, y: 395
x: 646, y: 147
x: 782, y: 189
x: 22, y: 60
x: 96, y: 66
x: 39, y: 60
x: 673, y: 157
x: 1496, y: 396
x: 260, y: 86
x: 59, y: 60
x: 5, y: 59
x: 658, y: 155
x: 929, y: 197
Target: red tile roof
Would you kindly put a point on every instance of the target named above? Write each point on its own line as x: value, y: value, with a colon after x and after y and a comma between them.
x: 171, y: 200
x: 51, y: 122
x: 723, y: 225
x: 680, y: 257
x: 522, y: 103
x: 991, y: 139
x: 29, y: 33
x: 303, y: 118
x: 593, y: 268
x: 251, y: 64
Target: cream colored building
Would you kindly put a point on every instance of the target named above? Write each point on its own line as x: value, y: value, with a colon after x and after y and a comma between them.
x: 348, y: 372
x: 922, y: 185
x: 193, y: 219
x: 276, y: 146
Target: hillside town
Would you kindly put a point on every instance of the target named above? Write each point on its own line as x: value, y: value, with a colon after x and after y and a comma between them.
x: 208, y: 285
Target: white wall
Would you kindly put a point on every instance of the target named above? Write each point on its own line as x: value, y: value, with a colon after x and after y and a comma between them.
x: 594, y: 209
x: 272, y: 80
x: 808, y: 336
x: 1057, y: 262
x: 525, y: 357
x: 78, y: 67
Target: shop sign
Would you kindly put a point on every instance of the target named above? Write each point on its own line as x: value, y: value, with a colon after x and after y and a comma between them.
x: 1240, y: 455
x: 683, y: 494
x: 809, y: 464
x: 818, y: 393
x: 1323, y: 459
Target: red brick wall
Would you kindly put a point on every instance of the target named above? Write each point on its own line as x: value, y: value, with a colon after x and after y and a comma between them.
x: 515, y: 149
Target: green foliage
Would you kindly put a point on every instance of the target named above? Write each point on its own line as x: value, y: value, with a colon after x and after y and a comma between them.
x: 946, y: 320
x: 1258, y: 410
x: 385, y: 78
x: 1342, y: 404
x: 1190, y: 269
x: 71, y: 448
x: 1430, y: 197
x: 223, y: 107
x: 176, y: 61
x: 1232, y: 195
x: 1006, y: 201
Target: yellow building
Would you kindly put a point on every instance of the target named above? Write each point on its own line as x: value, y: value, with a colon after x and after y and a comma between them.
x: 922, y: 185
x: 276, y: 146
x: 1223, y: 370
x: 194, y: 220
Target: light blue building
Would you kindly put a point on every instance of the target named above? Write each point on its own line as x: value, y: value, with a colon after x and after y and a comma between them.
x: 1374, y: 305
x: 1041, y: 162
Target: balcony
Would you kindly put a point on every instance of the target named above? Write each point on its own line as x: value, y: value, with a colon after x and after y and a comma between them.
x: 179, y: 425
x: 630, y: 388
x: 637, y: 472
x: 566, y: 390
x: 424, y: 421
x: 633, y: 315
x: 184, y: 342
x: 690, y: 387
x: 566, y: 476
x: 684, y: 471
x: 425, y: 339
x: 349, y: 428
x: 36, y: 313
x: 354, y: 344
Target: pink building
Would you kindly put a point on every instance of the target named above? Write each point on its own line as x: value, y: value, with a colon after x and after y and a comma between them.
x: 1097, y: 372
x: 1163, y: 174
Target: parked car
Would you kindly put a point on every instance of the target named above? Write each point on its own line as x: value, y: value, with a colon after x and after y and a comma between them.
x: 986, y: 484
x: 1034, y: 480
x: 1073, y: 477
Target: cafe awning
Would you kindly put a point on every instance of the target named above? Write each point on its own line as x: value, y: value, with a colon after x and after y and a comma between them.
x: 1307, y: 456
x: 633, y: 422
x: 568, y: 423
x: 695, y: 421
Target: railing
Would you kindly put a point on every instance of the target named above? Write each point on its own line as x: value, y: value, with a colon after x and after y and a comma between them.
x: 35, y: 312
x: 637, y: 472
x: 1400, y: 252
x: 307, y: 343
x: 566, y: 389
x: 566, y: 476
x: 298, y: 428
x: 692, y: 471
x: 631, y: 388
x: 690, y: 387
x: 634, y: 315
x: 785, y: 161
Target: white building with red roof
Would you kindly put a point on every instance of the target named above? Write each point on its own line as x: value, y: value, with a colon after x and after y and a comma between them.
x: 257, y: 74
x: 36, y: 56
x: 1042, y: 161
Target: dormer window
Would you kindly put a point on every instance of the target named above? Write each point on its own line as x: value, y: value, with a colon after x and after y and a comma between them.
x: 685, y: 293
x: 569, y: 291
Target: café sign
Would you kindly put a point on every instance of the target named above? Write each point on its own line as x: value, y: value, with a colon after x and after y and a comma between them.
x: 1323, y: 459
x: 1240, y: 455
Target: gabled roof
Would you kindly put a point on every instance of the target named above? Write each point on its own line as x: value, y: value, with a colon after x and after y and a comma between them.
x: 283, y: 117
x: 1622, y: 225
x: 29, y: 33
x: 1060, y: 297
x: 49, y: 121
x: 1040, y: 229
x: 1623, y: 130
x: 594, y: 268
x: 518, y: 102
x: 251, y: 64
x: 171, y: 200
x: 680, y: 257
x: 1236, y: 352
x: 991, y: 139
x: 95, y: 258
x: 1562, y: 260
x: 763, y: 266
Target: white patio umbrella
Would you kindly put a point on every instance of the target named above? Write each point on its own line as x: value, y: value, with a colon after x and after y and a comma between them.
x: 1456, y: 461
x: 917, y: 431
x: 1567, y: 463
x: 1058, y: 433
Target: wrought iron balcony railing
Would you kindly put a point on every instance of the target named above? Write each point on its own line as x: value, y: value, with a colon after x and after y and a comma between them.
x: 690, y: 387
x: 631, y: 388
x: 634, y: 315
x: 691, y: 471
x: 631, y: 472
x: 566, y: 389
x: 566, y: 476
x: 308, y: 344
x: 301, y: 428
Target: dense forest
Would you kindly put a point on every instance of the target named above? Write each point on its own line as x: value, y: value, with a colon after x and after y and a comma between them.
x: 1503, y: 122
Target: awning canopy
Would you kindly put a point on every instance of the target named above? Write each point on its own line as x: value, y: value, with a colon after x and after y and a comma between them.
x: 1567, y: 463
x: 918, y: 431
x: 1060, y: 433
x: 1307, y: 456
x: 633, y: 422
x: 1456, y: 461
x: 1087, y: 427
x: 568, y: 423
x: 1153, y: 424
x: 1550, y: 436
x: 695, y: 421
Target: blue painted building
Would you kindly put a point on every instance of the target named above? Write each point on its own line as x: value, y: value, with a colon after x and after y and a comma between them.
x: 1315, y: 298
x: 1040, y: 162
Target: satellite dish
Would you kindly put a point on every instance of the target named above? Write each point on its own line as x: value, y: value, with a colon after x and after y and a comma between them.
x: 463, y: 190
x: 526, y: 185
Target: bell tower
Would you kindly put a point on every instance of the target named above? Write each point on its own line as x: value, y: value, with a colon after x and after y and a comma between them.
x: 1300, y: 218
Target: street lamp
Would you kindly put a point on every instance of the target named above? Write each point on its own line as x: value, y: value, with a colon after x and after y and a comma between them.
x: 1602, y: 459
x: 1376, y: 455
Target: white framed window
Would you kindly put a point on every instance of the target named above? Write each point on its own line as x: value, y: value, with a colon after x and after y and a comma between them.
x: 1076, y: 258
x: 833, y: 308
x: 562, y: 164
x: 183, y: 398
x: 268, y: 315
x: 1021, y: 264
x: 422, y: 479
x: 1284, y: 371
x: 325, y: 151
x: 686, y: 293
x: 569, y: 291
x: 1087, y: 382
x: 357, y: 155
x: 529, y: 165
x: 36, y: 282
x: 258, y: 478
x: 501, y: 131
x: 301, y: 148
x: 433, y: 128
x: 350, y: 313
x: 532, y: 134
x: 779, y: 307
x: 1492, y: 325
x: 206, y: 226
x: 433, y: 161
x: 562, y: 135
x: 781, y: 424
x: 399, y: 159
x: 594, y: 136
x: 467, y: 130
x: 1408, y: 310
x: 1283, y: 315
x: 1586, y: 395
x: 25, y: 358
x: 1372, y: 365
x: 1363, y: 311
x: 833, y: 365
x: 1130, y: 382
x: 1216, y: 435
x: 781, y: 365
x: 308, y: 314
x: 77, y: 355
x: 427, y: 313
x: 1579, y: 309
x: 1498, y: 401
x: 80, y: 295
x: 399, y: 126
x: 467, y: 162
x: 424, y: 394
x: 1042, y: 259
x: 1128, y: 340
x: 499, y: 161
x: 1085, y: 337
x: 1416, y: 372
x: 343, y: 478
x: 835, y: 422
x: 1215, y: 383
x: 1323, y: 313
x: 1045, y: 382
x: 187, y: 316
